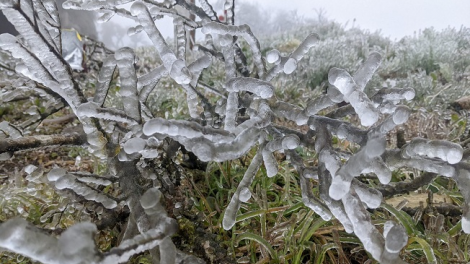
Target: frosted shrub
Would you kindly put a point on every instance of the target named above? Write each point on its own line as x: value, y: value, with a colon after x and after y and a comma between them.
x: 127, y: 137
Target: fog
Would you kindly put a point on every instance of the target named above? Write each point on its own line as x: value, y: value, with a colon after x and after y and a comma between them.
x: 394, y: 19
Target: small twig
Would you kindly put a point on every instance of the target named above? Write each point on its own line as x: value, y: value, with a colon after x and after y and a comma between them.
x: 24, y: 143
x: 406, y: 187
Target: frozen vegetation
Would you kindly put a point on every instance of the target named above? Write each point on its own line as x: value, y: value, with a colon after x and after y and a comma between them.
x: 234, y: 118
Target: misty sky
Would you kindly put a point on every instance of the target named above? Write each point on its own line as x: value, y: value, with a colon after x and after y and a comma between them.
x: 395, y: 18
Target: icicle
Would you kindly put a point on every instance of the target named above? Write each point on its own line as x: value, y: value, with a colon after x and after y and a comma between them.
x: 370, y: 237
x: 104, y: 80
x: 368, y: 68
x: 358, y: 99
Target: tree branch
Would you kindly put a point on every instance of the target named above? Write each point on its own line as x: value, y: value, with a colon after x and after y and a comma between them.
x: 406, y: 187
x: 24, y: 143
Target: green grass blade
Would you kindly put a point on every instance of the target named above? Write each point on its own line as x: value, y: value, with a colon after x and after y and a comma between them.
x: 259, y: 240
x: 403, y: 218
x: 427, y: 249
x: 320, y: 257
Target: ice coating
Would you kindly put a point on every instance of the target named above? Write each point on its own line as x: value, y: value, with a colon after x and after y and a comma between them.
x: 353, y: 92
x: 125, y: 61
x: 290, y: 66
x: 92, y: 109
x: 261, y: 88
x: 245, y: 194
x: 365, y: 72
x: 185, y: 129
x: 273, y: 56
x: 370, y: 237
x: 69, y: 181
x: 395, y: 237
x: 444, y: 150
x: 134, y: 145
x: 55, y: 174
x: 245, y: 32
x: 206, y: 150
x: 247, y: 122
x: 230, y: 214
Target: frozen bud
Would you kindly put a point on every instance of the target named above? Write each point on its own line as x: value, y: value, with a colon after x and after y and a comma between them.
x: 401, y: 114
x: 395, y: 237
x: 150, y: 198
x: 134, y: 145
x: 290, y: 142
x: 273, y: 56
x: 290, y: 66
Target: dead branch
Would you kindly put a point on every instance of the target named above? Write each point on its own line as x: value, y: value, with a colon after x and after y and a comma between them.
x: 24, y: 143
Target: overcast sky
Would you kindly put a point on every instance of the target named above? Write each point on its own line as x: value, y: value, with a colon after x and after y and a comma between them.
x: 395, y: 18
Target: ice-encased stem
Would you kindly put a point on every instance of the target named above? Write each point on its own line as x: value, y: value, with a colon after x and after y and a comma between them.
x: 207, y: 150
x: 370, y: 237
x: 366, y: 111
x: 19, y: 236
x: 125, y: 61
x: 176, y: 67
x: 243, y: 31
x: 355, y: 165
x: 230, y: 214
x: 368, y: 68
x: 444, y: 150
x: 187, y: 129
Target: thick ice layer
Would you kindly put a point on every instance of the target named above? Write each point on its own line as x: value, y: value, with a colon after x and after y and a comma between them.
x: 370, y: 237
x: 74, y: 246
x: 290, y: 66
x: 234, y: 205
x: 352, y: 92
x: 355, y: 165
x: 245, y: 194
x: 444, y: 150
x: 273, y: 56
x: 69, y: 181
x: 395, y: 237
x: 134, y: 145
x: 207, y: 150
x: 182, y: 128
x: 368, y: 68
x: 261, y: 88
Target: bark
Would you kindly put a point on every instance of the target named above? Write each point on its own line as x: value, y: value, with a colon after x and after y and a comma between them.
x: 406, y: 187
x: 24, y: 143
